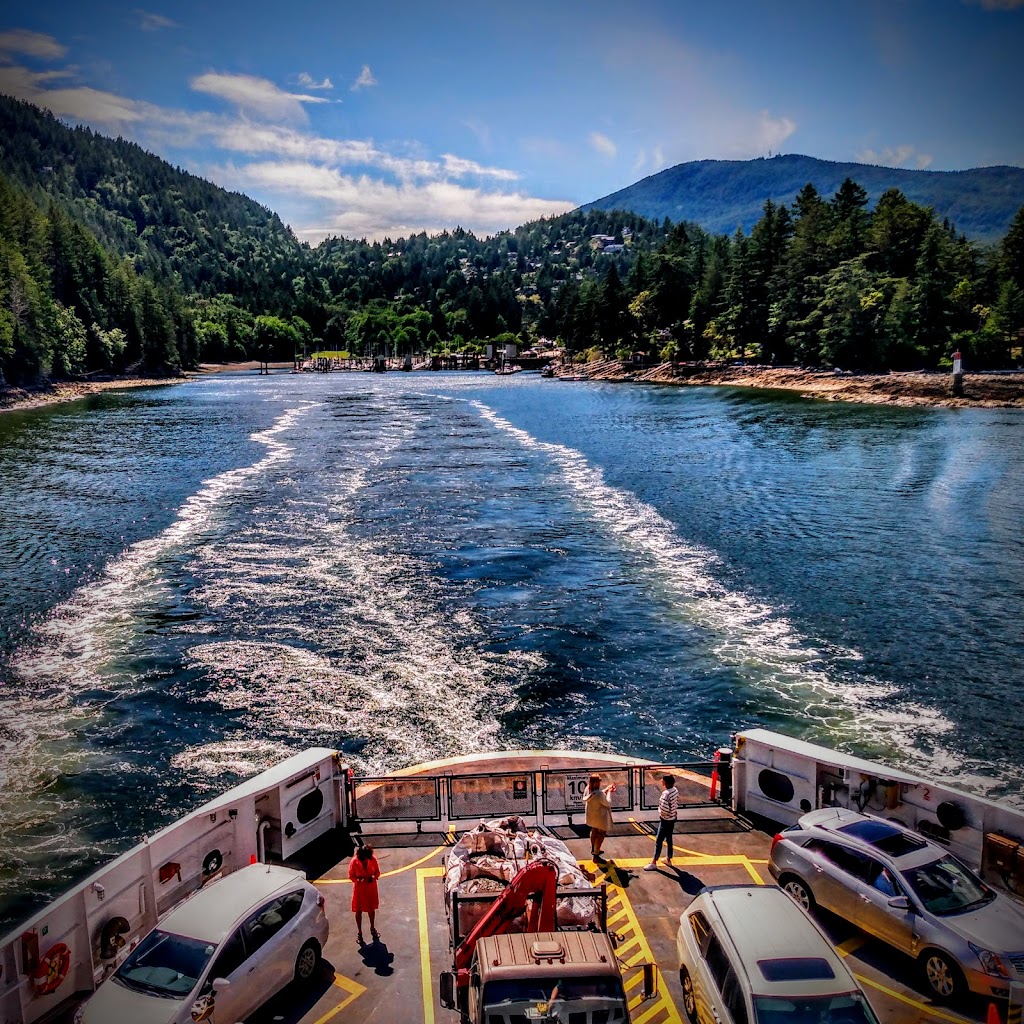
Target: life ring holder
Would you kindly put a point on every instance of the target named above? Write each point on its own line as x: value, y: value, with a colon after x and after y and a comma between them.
x: 52, y: 969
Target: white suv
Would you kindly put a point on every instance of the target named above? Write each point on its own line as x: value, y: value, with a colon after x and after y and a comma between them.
x: 228, y: 948
x: 749, y: 955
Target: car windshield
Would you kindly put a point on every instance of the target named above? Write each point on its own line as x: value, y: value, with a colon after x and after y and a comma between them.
x: 948, y: 887
x: 849, y: 1008
x: 165, y: 965
x: 551, y: 1000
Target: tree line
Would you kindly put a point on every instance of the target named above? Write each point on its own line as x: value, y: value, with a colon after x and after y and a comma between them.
x: 112, y: 260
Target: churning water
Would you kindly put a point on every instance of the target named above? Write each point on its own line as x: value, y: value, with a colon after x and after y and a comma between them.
x: 197, y: 579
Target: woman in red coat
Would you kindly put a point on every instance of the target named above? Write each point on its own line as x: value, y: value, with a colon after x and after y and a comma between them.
x: 364, y: 872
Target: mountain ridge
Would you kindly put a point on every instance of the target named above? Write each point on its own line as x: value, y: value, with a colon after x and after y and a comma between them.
x: 722, y: 195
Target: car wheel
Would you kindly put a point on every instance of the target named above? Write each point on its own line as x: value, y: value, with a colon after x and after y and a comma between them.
x: 799, y: 890
x: 307, y: 964
x: 689, y: 996
x: 943, y: 976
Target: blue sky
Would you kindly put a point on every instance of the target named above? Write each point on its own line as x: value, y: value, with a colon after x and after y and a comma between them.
x: 383, y: 118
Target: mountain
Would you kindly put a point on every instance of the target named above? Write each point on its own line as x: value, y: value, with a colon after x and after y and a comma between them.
x: 172, y: 224
x: 723, y: 194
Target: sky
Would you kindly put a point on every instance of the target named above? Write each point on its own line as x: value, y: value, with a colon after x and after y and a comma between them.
x: 380, y: 119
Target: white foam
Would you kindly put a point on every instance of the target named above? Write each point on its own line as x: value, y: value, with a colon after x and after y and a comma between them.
x: 776, y: 661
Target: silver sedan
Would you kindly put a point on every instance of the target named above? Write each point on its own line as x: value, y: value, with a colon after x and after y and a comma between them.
x: 908, y: 892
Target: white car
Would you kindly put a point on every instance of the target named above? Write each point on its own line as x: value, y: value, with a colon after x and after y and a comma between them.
x: 749, y: 955
x: 226, y: 950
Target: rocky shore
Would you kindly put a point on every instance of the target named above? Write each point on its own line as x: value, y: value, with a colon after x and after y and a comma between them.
x: 984, y: 390
x: 52, y: 393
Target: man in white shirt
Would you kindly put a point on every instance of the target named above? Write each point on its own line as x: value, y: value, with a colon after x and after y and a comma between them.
x: 668, y: 811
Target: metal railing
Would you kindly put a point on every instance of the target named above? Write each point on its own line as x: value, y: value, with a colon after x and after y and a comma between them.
x: 548, y: 796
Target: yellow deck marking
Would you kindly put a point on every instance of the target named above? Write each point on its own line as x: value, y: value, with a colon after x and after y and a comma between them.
x: 354, y: 990
x: 916, y: 1003
x: 631, y: 937
x: 395, y: 871
x: 851, y: 945
x: 426, y: 977
x: 654, y: 839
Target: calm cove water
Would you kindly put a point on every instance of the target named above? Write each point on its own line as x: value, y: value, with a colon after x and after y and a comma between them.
x: 197, y: 579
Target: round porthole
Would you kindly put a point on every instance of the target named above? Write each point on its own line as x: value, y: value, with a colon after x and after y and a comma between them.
x: 776, y: 786
x: 310, y: 806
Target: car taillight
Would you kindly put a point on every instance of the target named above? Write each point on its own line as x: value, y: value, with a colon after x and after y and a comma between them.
x: 776, y: 839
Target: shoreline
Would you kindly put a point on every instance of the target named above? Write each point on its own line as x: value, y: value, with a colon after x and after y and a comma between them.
x: 1003, y: 390
x: 14, y: 399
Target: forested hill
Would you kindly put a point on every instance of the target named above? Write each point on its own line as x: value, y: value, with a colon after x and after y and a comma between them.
x: 722, y: 195
x: 111, y: 260
x: 170, y: 222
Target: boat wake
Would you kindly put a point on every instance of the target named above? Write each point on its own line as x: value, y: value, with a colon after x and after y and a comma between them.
x: 790, y: 676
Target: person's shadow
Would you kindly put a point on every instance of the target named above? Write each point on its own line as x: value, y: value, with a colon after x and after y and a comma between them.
x: 376, y: 955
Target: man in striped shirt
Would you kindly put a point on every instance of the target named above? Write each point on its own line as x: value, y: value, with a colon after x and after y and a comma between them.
x: 668, y: 811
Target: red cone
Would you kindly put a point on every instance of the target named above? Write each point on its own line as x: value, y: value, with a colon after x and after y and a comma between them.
x: 993, y: 1015
x: 252, y: 860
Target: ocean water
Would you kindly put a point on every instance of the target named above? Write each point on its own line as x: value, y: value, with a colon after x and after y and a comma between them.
x: 198, y: 579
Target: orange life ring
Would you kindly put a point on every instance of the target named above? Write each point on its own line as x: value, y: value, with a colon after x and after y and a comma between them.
x: 52, y: 969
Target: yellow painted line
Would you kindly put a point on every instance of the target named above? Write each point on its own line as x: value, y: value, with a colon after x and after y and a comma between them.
x: 636, y: 937
x: 916, y: 1003
x: 426, y: 977
x: 752, y: 871
x: 354, y: 990
x: 648, y: 1013
x: 851, y: 945
x: 395, y: 871
x: 675, y: 846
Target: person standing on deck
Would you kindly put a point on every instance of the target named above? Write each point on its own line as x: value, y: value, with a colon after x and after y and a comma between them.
x: 599, y: 814
x: 363, y: 873
x: 668, y: 811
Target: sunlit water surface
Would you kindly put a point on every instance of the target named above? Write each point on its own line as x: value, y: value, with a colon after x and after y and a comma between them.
x: 197, y: 579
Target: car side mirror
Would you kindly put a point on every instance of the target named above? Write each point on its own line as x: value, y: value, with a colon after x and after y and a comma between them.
x: 900, y: 903
x: 219, y: 984
x: 446, y: 985
x: 650, y: 981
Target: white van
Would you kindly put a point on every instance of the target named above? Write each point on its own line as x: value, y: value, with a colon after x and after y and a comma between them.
x: 749, y: 955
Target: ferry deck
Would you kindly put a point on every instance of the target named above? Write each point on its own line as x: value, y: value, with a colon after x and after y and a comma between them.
x: 308, y: 811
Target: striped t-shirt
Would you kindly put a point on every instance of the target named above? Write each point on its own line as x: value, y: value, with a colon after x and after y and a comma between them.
x: 668, y: 804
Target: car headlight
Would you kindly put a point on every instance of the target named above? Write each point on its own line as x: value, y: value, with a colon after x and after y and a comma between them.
x: 990, y: 961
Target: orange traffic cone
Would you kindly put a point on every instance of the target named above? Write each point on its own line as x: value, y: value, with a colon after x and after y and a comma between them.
x: 993, y: 1015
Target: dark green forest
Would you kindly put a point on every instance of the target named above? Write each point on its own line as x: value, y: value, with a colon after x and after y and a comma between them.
x: 112, y: 260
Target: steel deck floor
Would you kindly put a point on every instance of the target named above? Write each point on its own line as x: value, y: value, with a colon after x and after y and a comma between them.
x: 395, y: 980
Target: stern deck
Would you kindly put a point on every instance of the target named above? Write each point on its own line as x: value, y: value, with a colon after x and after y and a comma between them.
x: 395, y: 979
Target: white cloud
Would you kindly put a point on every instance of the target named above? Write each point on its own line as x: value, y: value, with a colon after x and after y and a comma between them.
x: 603, y: 145
x: 640, y: 161
x: 150, y: 22
x: 365, y: 79
x: 460, y: 167
x: 770, y: 132
x: 257, y: 97
x: 895, y: 156
x: 307, y: 81
x: 365, y: 207
x: 343, y: 186
x: 31, y: 44
x: 657, y: 158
